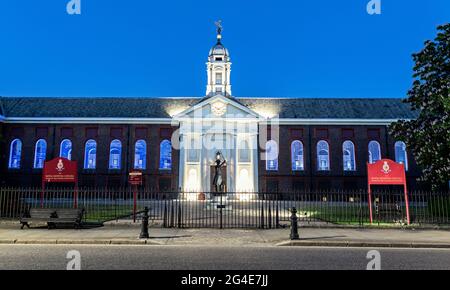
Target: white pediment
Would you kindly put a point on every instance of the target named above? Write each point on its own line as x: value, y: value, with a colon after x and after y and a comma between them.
x: 218, y: 106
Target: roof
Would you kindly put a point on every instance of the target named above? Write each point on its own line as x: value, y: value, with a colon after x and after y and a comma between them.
x: 125, y: 107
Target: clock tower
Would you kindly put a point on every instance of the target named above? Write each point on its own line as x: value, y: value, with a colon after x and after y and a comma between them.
x: 218, y: 68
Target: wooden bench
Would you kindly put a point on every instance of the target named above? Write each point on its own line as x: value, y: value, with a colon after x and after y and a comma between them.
x: 53, y: 216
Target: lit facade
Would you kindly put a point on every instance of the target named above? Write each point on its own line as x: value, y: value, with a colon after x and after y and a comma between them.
x: 270, y: 144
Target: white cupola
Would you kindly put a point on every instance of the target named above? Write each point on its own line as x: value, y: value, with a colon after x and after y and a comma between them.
x: 218, y: 68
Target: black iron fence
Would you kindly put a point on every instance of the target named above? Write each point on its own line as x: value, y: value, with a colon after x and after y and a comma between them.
x: 235, y: 210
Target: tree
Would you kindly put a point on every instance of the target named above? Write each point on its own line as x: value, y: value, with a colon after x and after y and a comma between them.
x: 428, y: 136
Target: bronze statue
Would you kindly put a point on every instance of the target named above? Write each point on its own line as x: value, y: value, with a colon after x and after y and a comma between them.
x: 218, y: 181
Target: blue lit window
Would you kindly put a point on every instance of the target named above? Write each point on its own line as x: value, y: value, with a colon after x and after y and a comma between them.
x: 323, y: 156
x: 297, y: 155
x: 374, y: 151
x: 348, y: 152
x: 271, y: 155
x: 165, y: 155
x: 15, y: 154
x: 115, y: 154
x: 90, y: 154
x: 140, y: 155
x: 65, y: 150
x: 400, y: 153
x: 40, y: 152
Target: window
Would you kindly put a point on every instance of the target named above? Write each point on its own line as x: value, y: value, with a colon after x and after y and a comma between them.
x: 348, y: 156
x: 41, y: 132
x: 374, y: 151
x: 348, y: 133
x: 66, y: 132
x: 15, y: 154
x: 140, y: 155
x: 115, y: 154
x: 90, y: 154
x: 218, y: 78
x: 400, y: 154
x: 165, y: 155
x: 65, y: 149
x: 271, y: 155
x: 116, y: 133
x: 40, y: 152
x: 323, y: 156
x: 193, y: 151
x: 244, y: 152
x: 321, y: 133
x: 297, y: 155
x: 91, y: 133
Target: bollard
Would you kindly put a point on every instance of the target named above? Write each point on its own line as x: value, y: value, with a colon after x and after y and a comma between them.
x: 144, y: 227
x: 294, y: 225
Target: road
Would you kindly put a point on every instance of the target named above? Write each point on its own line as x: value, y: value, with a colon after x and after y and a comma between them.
x: 216, y: 258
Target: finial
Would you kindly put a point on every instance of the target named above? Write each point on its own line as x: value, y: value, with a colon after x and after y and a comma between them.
x: 219, y: 29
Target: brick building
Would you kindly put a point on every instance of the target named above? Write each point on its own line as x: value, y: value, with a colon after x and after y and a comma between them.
x: 269, y: 144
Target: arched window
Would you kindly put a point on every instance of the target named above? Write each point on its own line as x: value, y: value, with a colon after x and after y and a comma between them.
x: 140, y: 155
x: 65, y: 150
x: 400, y: 154
x: 115, y: 154
x: 165, y: 155
x: 374, y: 151
x: 15, y: 154
x: 244, y: 151
x: 40, y: 152
x: 323, y: 156
x: 271, y: 155
x: 348, y: 156
x: 90, y: 154
x: 297, y: 155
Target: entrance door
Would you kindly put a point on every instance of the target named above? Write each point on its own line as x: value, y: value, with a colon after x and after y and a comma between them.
x: 224, y: 178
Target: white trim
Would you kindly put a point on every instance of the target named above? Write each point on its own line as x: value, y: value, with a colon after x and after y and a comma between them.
x: 332, y: 121
x: 287, y: 121
x: 52, y: 120
x: 211, y: 100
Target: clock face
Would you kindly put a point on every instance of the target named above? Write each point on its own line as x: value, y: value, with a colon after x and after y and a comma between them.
x: 218, y: 108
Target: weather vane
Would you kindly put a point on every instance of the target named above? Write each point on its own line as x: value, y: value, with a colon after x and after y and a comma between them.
x: 219, y: 26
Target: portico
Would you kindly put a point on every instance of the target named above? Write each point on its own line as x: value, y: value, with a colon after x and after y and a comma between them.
x: 218, y: 124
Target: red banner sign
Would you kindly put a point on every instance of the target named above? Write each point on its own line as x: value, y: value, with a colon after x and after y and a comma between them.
x: 386, y: 172
x: 135, y: 178
x: 60, y: 170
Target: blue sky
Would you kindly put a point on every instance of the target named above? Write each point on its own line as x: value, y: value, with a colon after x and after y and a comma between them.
x: 320, y: 48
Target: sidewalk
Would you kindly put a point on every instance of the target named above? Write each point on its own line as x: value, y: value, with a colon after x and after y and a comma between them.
x: 113, y: 233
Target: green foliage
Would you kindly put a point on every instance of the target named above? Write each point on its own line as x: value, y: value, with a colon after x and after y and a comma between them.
x: 428, y: 137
